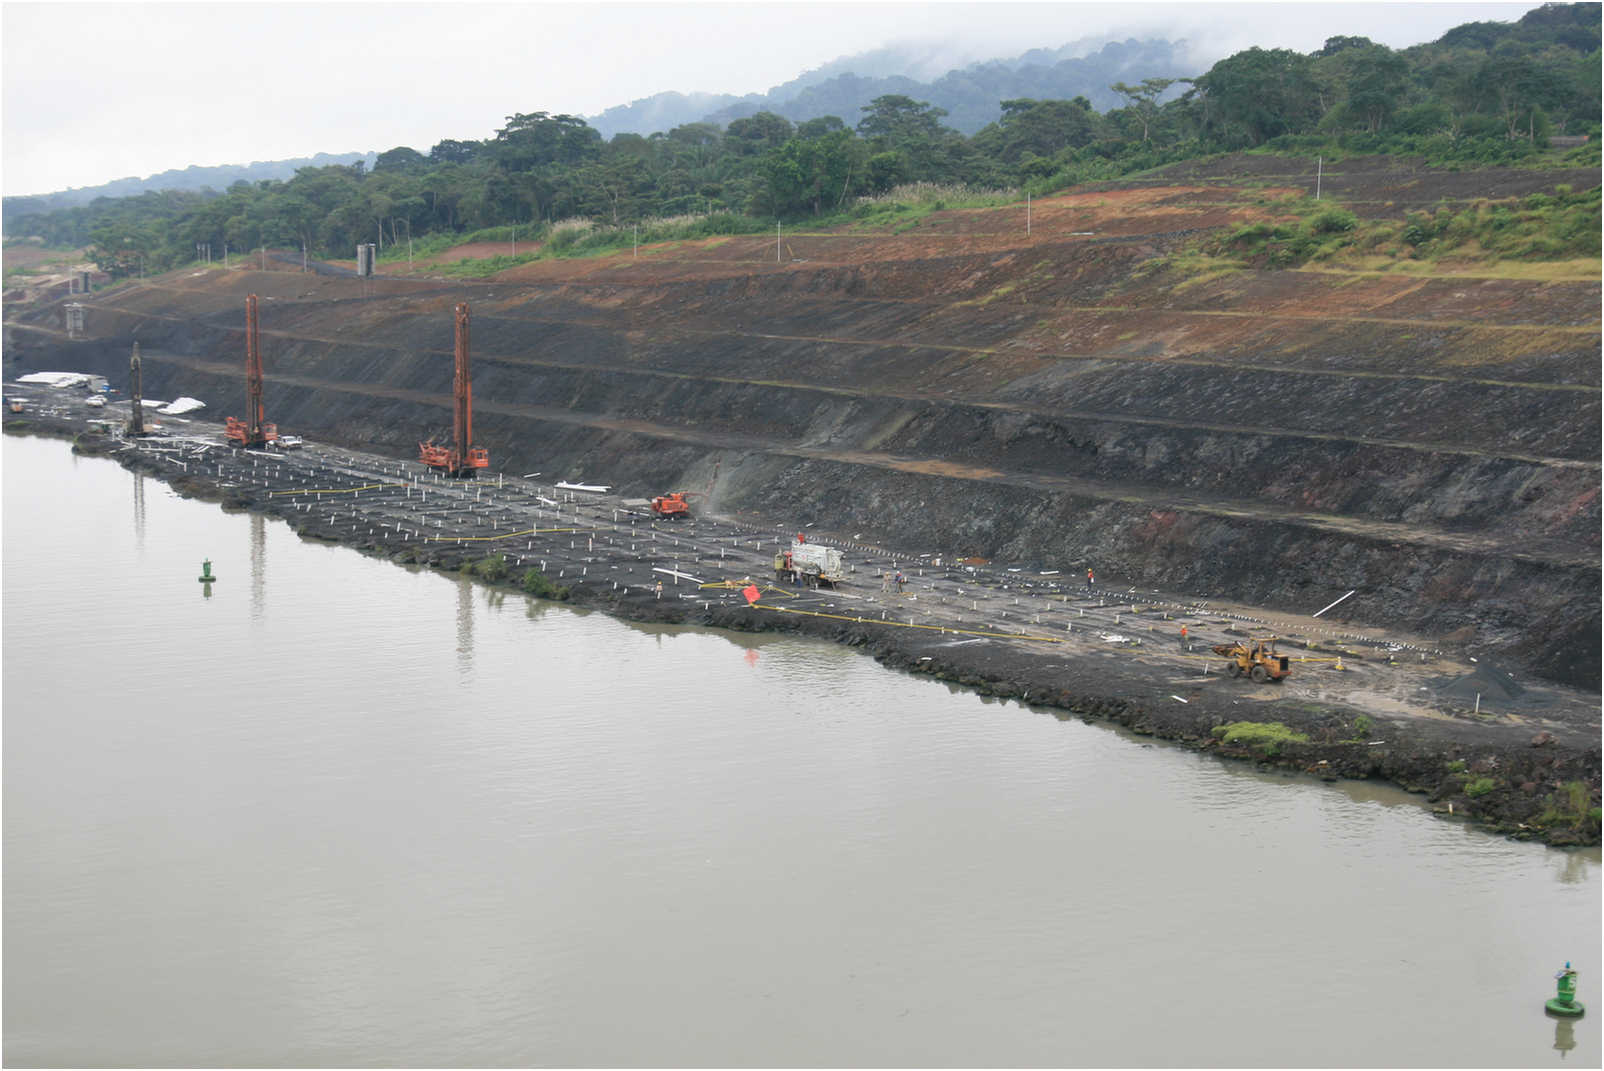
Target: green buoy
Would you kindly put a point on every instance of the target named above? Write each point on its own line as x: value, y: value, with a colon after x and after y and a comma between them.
x: 1565, y: 1002
x: 206, y: 576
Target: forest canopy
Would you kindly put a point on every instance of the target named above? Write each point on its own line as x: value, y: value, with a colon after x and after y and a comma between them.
x: 1483, y: 93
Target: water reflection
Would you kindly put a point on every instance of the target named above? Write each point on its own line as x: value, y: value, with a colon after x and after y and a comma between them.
x: 139, y: 513
x: 465, y: 588
x: 1573, y: 866
x: 1564, y: 1036
x: 258, y: 566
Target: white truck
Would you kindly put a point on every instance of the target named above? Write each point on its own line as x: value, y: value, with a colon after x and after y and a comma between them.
x: 823, y: 564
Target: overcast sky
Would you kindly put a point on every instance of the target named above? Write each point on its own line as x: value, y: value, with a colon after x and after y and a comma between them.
x: 99, y: 91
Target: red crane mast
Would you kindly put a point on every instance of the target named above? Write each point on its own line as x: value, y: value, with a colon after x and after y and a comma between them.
x: 253, y: 431
x: 461, y: 459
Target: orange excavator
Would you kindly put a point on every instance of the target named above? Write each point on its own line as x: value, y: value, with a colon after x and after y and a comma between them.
x: 461, y: 459
x: 673, y: 505
x: 252, y: 432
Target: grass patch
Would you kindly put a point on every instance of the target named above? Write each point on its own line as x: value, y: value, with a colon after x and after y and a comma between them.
x: 1571, y: 808
x: 1265, y: 737
x: 1559, y: 230
x: 536, y: 583
x: 1480, y: 787
x: 493, y: 569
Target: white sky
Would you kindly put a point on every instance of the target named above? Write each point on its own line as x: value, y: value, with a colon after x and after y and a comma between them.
x: 98, y: 91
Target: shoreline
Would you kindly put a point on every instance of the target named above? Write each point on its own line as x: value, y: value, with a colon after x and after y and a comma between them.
x: 1532, y: 776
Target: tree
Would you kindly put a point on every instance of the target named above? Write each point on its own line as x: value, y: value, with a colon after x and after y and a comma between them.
x: 538, y: 140
x: 451, y: 151
x: 1377, y: 79
x: 812, y: 173
x: 757, y: 134
x: 912, y: 130
x: 818, y: 128
x: 401, y: 159
x: 1143, y: 98
x: 1261, y: 93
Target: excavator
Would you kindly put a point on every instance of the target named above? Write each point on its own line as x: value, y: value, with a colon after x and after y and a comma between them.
x: 1258, y: 659
x: 673, y: 505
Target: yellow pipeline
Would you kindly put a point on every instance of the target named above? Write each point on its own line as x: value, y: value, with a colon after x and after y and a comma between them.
x: 503, y: 535
x: 736, y: 585
x: 337, y: 490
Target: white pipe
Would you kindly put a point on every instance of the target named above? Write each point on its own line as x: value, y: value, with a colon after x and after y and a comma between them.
x: 1319, y: 612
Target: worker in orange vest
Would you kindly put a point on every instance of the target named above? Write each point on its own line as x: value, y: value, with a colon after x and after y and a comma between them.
x: 1088, y: 578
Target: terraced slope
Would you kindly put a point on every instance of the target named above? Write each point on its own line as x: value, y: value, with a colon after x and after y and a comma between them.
x: 1066, y: 397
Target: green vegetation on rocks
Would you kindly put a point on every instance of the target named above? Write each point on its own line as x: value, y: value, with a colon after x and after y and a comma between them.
x: 1265, y: 737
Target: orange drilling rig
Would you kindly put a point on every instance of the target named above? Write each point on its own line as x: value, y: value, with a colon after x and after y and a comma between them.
x: 673, y: 505
x: 460, y: 459
x: 252, y: 432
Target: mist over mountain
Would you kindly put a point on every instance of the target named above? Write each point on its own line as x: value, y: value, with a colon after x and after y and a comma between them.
x: 947, y: 74
x: 194, y: 177
x: 969, y: 93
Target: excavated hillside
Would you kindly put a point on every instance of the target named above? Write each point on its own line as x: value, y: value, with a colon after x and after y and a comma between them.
x: 1078, y: 395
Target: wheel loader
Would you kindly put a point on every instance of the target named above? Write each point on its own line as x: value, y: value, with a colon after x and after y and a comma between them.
x: 1257, y: 659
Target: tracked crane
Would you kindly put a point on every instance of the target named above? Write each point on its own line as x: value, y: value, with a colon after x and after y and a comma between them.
x: 252, y: 432
x: 461, y: 459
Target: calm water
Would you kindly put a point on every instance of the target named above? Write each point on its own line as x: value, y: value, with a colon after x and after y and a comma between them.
x: 344, y: 813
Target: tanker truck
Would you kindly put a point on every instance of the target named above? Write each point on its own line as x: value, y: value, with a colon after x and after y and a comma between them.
x: 817, y: 564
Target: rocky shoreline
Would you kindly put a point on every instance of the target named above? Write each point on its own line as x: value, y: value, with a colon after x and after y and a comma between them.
x: 1528, y: 778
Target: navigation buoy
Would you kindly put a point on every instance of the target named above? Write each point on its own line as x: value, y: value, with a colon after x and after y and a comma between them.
x: 206, y: 576
x: 1564, y: 1001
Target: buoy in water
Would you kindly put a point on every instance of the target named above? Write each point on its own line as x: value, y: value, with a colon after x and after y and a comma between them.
x: 206, y: 576
x: 1564, y: 1001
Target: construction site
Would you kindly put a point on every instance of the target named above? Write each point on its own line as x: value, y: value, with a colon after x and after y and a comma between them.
x: 1050, y: 465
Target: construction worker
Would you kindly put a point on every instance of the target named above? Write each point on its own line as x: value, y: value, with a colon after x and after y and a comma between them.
x: 1088, y: 578
x: 779, y: 567
x: 659, y: 589
x: 885, y: 581
x: 900, y: 581
x: 1184, y: 644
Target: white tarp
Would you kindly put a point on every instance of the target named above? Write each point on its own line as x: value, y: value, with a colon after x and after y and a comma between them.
x: 56, y: 379
x: 182, y: 405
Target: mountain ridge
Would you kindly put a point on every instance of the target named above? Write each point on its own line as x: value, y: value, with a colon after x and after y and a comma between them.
x: 970, y: 94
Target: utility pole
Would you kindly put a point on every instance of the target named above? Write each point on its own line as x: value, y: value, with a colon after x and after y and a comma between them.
x: 776, y: 241
x: 637, y: 241
x: 1027, y: 213
x: 1319, y: 169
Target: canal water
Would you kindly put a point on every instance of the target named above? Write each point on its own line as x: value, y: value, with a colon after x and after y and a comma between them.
x: 343, y: 813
